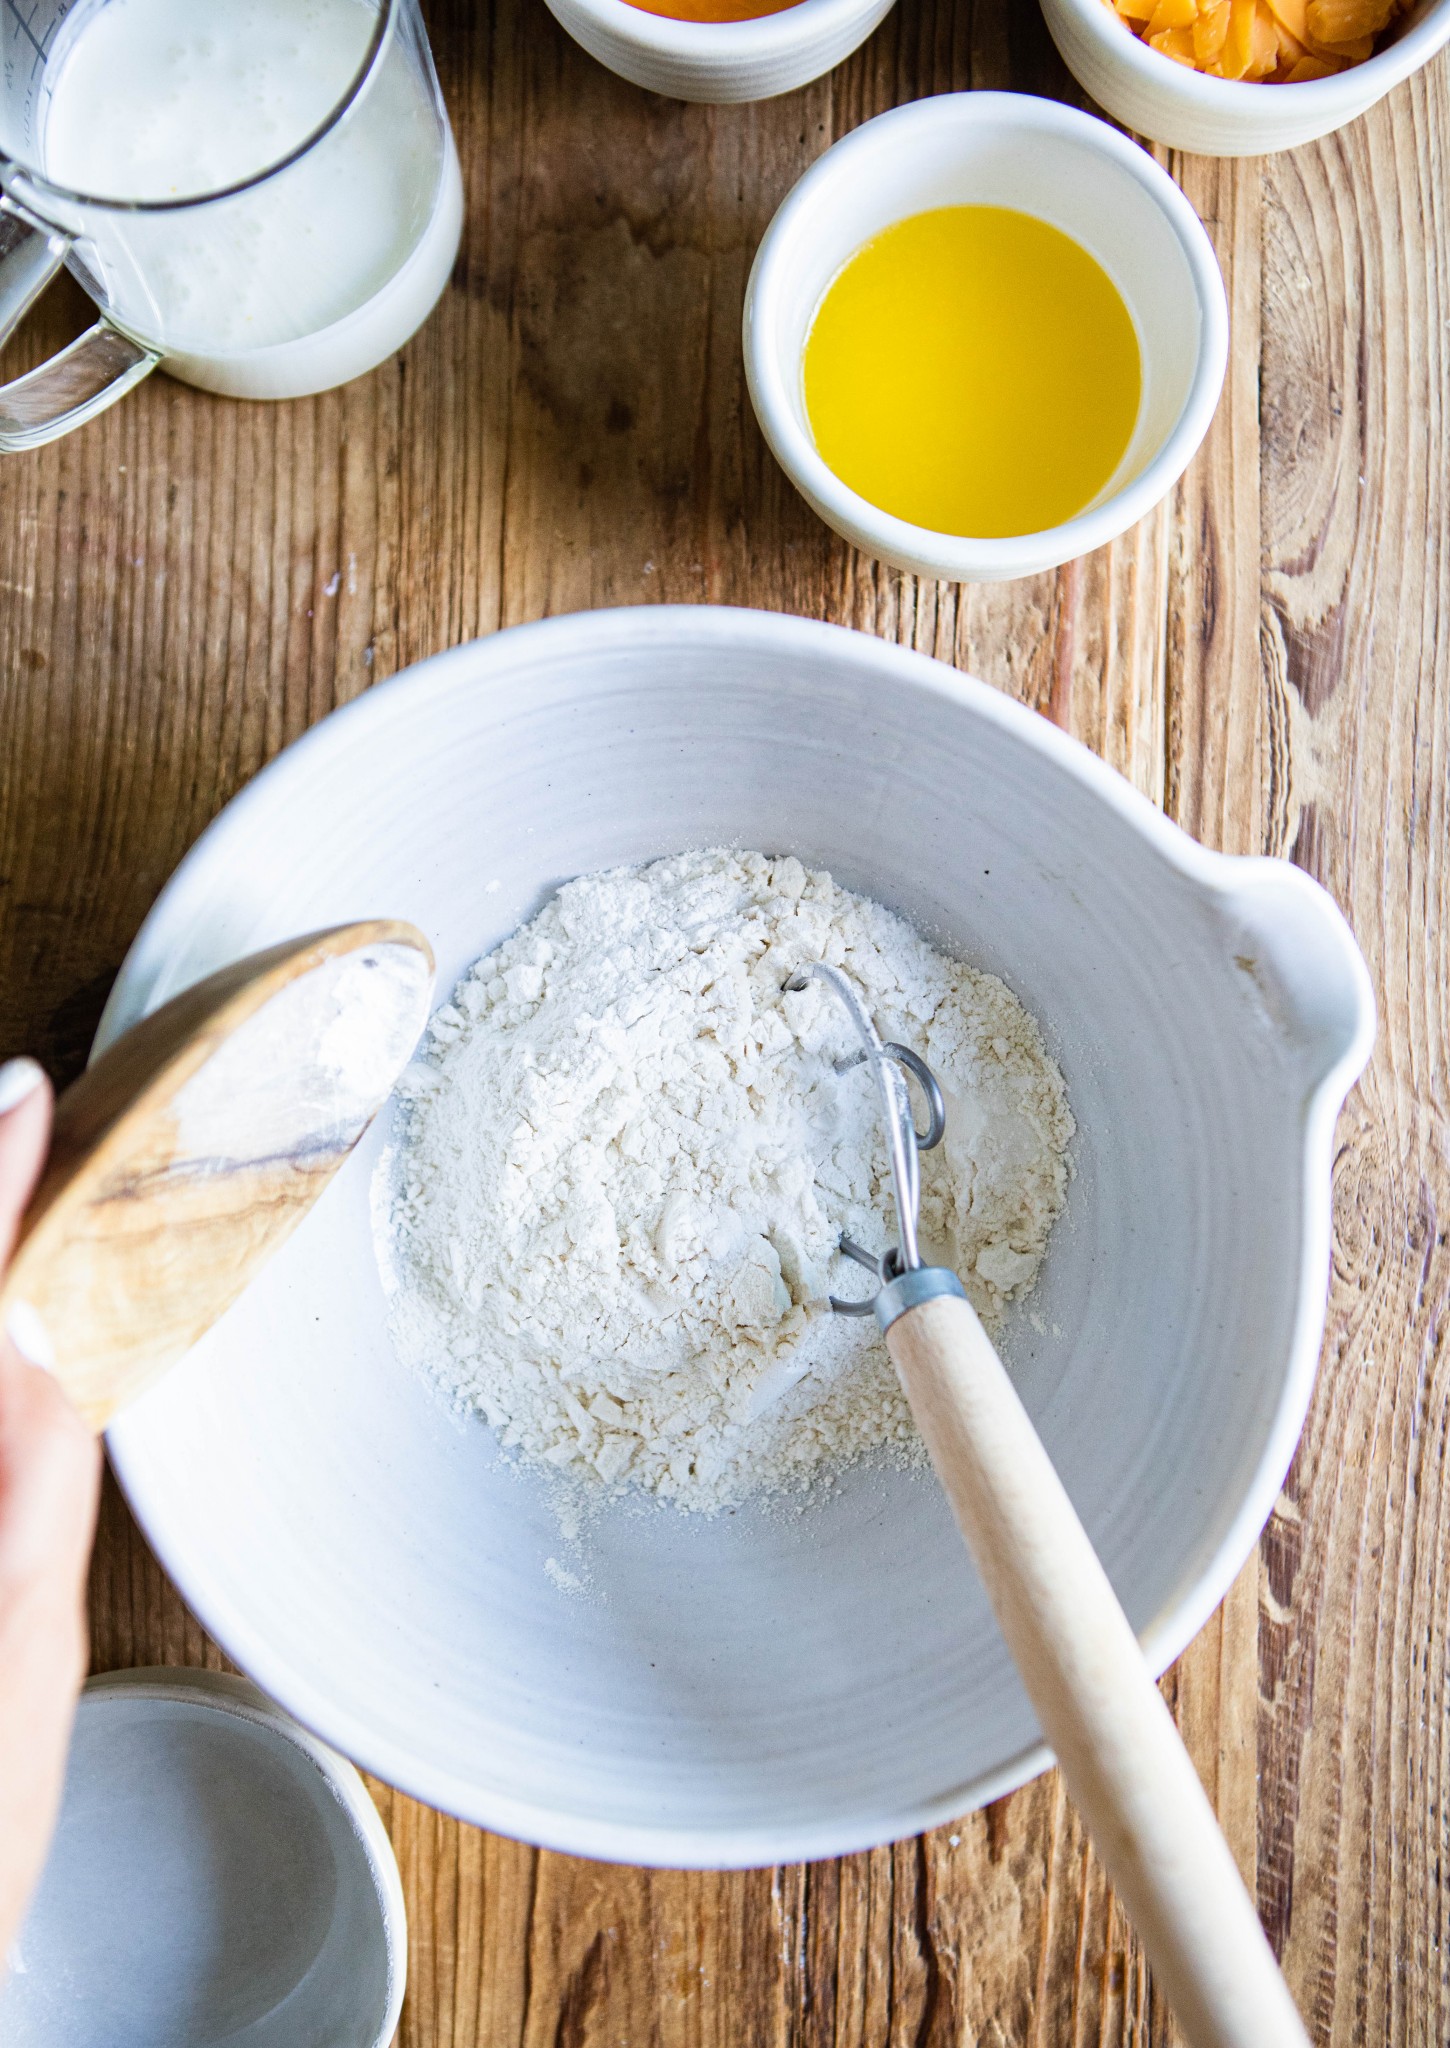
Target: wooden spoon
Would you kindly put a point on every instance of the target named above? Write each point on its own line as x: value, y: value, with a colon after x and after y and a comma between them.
x: 197, y: 1142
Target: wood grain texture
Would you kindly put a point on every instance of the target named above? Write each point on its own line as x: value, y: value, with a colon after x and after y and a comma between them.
x: 188, y: 583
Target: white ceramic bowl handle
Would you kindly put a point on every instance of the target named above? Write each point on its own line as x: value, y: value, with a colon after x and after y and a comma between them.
x: 1289, y: 938
x: 1122, y: 1757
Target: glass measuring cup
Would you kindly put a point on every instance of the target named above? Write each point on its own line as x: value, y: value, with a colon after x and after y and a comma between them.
x: 288, y: 281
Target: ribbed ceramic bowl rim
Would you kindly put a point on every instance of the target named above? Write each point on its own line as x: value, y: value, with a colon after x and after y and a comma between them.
x: 1229, y: 96
x: 240, y: 1699
x: 960, y: 554
x: 722, y: 42
x: 690, y: 628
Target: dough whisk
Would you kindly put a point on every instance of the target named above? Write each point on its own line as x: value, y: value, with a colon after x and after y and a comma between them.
x: 1120, y: 1753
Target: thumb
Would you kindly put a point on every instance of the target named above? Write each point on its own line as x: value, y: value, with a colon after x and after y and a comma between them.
x: 25, y: 1100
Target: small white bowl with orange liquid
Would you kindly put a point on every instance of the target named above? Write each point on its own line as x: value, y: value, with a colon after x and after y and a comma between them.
x: 984, y: 335
x: 720, y: 50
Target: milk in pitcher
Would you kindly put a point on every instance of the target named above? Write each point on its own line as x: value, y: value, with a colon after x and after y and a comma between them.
x: 302, y: 278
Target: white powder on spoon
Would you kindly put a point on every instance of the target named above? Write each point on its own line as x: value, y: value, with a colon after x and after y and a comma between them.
x: 625, y: 1160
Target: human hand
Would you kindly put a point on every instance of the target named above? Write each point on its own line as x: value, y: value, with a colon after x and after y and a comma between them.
x: 50, y: 1468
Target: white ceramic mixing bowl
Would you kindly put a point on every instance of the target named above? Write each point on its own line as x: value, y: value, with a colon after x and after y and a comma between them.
x: 761, y: 1686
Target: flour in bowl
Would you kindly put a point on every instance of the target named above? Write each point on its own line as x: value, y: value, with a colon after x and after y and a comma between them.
x: 625, y: 1159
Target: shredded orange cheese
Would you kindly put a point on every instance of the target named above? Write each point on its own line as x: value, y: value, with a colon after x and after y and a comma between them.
x: 1274, y: 42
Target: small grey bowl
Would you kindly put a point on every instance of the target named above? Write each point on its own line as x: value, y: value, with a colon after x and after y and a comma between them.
x: 218, y: 1876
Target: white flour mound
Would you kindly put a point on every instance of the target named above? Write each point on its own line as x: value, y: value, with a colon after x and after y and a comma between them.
x: 625, y: 1160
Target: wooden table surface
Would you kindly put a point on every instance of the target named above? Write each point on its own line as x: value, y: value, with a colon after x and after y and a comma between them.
x: 188, y: 583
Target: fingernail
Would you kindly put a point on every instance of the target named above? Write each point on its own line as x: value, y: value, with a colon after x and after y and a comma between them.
x: 29, y: 1335
x: 18, y: 1078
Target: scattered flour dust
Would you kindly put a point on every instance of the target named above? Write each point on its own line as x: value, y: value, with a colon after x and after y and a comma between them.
x: 624, y: 1159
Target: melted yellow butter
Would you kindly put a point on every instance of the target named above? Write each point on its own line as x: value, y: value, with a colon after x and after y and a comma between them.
x: 975, y: 371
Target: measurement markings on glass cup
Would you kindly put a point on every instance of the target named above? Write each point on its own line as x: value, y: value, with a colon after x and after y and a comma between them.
x: 20, y: 28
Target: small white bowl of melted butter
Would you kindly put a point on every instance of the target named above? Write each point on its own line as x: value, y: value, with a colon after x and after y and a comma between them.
x: 984, y: 334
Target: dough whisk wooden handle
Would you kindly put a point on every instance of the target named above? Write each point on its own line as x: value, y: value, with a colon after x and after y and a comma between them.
x: 1121, y: 1755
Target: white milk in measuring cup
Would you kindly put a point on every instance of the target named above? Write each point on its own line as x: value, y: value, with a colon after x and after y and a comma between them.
x: 317, y: 125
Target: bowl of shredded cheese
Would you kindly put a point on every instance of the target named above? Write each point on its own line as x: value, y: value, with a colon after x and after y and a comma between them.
x: 536, y: 1473
x: 1243, y: 77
